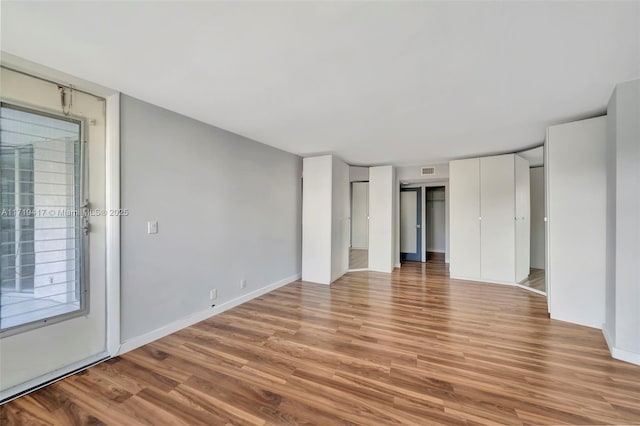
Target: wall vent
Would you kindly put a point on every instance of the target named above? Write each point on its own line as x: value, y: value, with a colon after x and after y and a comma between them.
x: 428, y: 171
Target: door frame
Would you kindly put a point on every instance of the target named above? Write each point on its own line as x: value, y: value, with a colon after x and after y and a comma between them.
x: 417, y: 256
x: 112, y: 202
x: 425, y: 188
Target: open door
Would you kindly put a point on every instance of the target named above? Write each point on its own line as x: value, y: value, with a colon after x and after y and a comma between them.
x: 52, y: 248
x: 410, y: 224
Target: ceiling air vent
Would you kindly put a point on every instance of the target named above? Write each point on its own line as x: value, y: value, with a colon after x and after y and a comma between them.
x: 428, y: 171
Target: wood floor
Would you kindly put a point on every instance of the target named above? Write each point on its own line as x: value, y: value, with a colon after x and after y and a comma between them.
x: 536, y: 280
x: 358, y: 258
x: 413, y: 347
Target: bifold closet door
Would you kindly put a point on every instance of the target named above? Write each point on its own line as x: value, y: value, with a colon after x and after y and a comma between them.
x: 464, y: 214
x: 497, y: 230
x: 523, y: 218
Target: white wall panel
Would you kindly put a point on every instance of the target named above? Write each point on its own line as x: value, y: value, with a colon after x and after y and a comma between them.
x: 464, y: 211
x: 316, y: 219
x: 381, y: 215
x: 497, y: 241
x: 576, y: 187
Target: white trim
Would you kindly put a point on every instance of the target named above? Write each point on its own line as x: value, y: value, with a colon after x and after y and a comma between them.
x: 52, y: 377
x: 163, y: 331
x: 436, y: 250
x: 535, y: 290
x: 617, y: 353
x: 112, y: 168
x: 358, y: 270
x: 398, y: 265
x: 379, y: 270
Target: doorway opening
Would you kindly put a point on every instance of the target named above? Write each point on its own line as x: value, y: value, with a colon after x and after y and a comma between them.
x: 536, y: 281
x: 411, y: 224
x: 435, y: 224
x: 359, y: 244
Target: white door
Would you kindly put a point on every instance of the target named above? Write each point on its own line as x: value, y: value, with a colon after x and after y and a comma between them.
x: 576, y: 168
x: 360, y: 215
x: 497, y: 243
x: 408, y: 221
x: 53, y: 309
x: 523, y: 219
x: 464, y: 213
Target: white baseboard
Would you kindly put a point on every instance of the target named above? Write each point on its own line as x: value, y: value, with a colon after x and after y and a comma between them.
x: 481, y: 281
x: 435, y: 250
x: 398, y: 265
x: 617, y: 353
x: 196, y: 317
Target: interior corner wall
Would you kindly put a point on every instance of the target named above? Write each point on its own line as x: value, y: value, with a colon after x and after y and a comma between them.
x: 358, y: 174
x: 576, y: 211
x: 382, y: 213
x: 340, y: 219
x: 228, y: 209
x: 317, y: 190
x: 622, y: 310
x: 609, y: 326
x: 537, y: 217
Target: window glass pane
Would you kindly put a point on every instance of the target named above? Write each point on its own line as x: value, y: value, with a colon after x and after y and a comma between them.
x: 40, y: 243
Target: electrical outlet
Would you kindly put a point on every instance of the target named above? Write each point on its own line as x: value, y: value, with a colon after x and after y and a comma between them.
x: 213, y: 294
x: 243, y: 283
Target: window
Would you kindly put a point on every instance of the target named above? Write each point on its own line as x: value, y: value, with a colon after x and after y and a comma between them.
x: 41, y: 219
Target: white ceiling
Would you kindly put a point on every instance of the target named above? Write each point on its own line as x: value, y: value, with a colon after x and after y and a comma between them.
x: 383, y: 82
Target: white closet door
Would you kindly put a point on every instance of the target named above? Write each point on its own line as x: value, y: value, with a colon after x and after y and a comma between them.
x: 523, y: 218
x: 577, y: 210
x: 497, y: 242
x: 464, y: 214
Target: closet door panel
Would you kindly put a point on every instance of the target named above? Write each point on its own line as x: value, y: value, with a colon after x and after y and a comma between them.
x: 497, y: 204
x: 523, y: 218
x: 464, y: 211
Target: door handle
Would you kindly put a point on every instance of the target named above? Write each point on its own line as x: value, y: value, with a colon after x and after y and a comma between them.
x: 417, y: 226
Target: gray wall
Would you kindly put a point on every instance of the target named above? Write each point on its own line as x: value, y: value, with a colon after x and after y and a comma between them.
x: 623, y: 221
x: 537, y: 217
x: 228, y: 208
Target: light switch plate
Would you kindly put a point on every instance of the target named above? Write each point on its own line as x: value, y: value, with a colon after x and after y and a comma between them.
x: 152, y: 227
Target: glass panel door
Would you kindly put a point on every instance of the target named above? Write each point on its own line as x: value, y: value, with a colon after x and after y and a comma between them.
x: 41, y: 250
x: 52, y: 249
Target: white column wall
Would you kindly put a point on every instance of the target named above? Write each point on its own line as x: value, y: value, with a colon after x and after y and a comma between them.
x: 382, y: 235
x: 316, y: 218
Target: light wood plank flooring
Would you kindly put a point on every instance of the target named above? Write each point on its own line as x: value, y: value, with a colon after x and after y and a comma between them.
x: 536, y: 279
x: 414, y: 347
x: 358, y: 258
